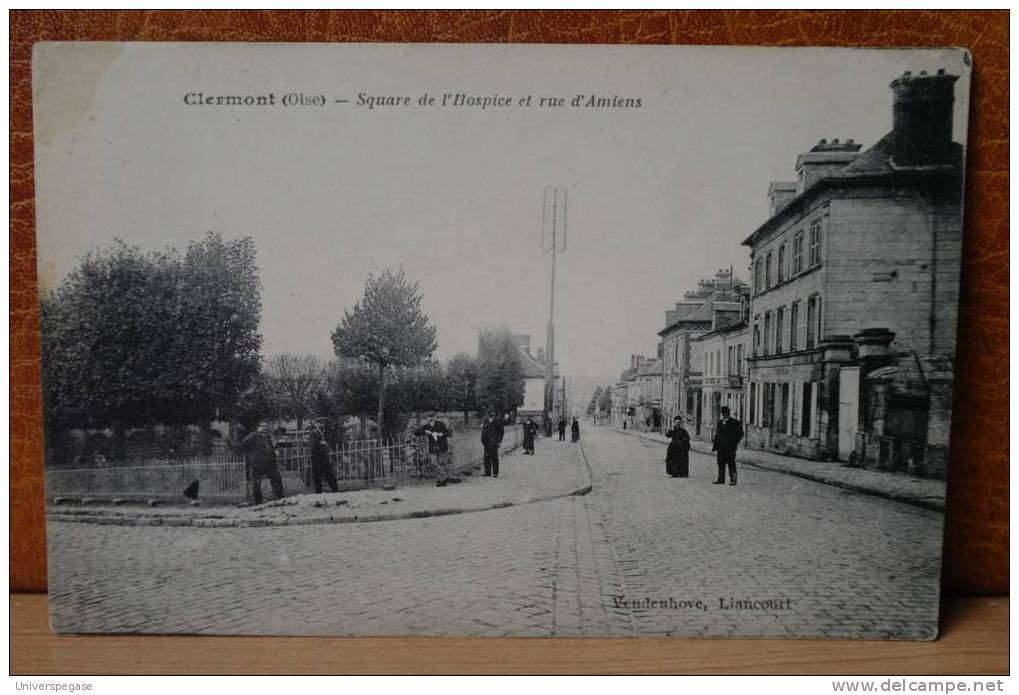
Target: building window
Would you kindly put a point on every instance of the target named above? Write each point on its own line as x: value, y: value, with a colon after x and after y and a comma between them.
x: 798, y: 253
x: 767, y: 332
x: 756, y: 347
x: 783, y: 417
x: 815, y: 244
x: 768, y: 405
x: 753, y: 400
x: 758, y: 277
x: 781, y: 263
x: 794, y: 325
x: 767, y: 270
x: 817, y: 332
x: 779, y: 323
x: 811, y: 320
x: 805, y: 419
x: 739, y: 358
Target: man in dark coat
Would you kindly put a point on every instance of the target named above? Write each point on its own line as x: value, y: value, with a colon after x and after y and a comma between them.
x: 728, y: 434
x: 562, y: 429
x: 492, y: 432
x: 438, y: 449
x: 321, y: 468
x: 530, y: 432
x: 260, y: 457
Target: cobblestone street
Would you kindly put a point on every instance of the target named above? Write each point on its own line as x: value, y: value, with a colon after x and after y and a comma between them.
x: 831, y: 562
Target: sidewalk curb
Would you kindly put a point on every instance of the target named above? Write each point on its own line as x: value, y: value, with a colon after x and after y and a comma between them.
x: 207, y: 522
x: 213, y: 522
x: 702, y: 448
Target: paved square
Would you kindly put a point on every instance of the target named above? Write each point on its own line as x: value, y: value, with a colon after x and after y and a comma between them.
x: 632, y: 558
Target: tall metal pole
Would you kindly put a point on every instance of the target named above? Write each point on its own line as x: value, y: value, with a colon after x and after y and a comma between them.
x: 553, y: 239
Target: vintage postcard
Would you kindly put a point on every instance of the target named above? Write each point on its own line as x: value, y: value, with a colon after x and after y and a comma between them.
x: 498, y: 340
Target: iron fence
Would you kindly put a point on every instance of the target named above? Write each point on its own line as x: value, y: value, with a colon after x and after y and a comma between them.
x: 222, y: 480
x: 223, y: 475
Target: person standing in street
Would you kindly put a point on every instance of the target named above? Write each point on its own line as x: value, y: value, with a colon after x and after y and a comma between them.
x: 562, y: 429
x: 728, y: 434
x: 492, y: 432
x: 530, y: 432
x: 321, y: 469
x: 677, y: 458
x: 575, y: 431
x: 438, y: 449
x: 260, y: 456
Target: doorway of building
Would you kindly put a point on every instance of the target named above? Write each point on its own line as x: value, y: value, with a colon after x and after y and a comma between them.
x: 849, y: 410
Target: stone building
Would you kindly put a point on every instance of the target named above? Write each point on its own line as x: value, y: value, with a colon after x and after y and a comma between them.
x: 723, y: 354
x: 647, y: 399
x: 619, y: 404
x: 533, y: 368
x: 680, y: 352
x: 855, y: 278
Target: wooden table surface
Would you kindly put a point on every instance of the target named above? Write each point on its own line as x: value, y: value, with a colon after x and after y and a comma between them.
x: 974, y: 641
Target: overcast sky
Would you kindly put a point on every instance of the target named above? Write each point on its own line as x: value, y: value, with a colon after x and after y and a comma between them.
x: 658, y: 196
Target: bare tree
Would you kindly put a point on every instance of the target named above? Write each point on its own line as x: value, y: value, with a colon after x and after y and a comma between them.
x: 291, y: 381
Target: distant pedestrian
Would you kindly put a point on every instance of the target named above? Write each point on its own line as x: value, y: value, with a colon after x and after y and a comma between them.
x: 677, y: 458
x: 562, y: 429
x: 492, y: 432
x: 260, y: 457
x: 530, y: 432
x: 321, y: 468
x: 728, y: 434
x: 438, y: 449
x: 575, y: 431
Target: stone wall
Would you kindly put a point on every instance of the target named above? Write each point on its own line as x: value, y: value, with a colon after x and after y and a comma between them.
x: 893, y: 261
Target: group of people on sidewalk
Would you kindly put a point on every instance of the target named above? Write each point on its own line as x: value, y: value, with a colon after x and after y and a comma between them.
x: 492, y: 432
x: 259, y: 449
x: 574, y: 430
x: 728, y: 434
x: 531, y: 433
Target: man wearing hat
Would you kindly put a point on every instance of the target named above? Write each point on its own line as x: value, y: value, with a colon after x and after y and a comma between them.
x: 728, y: 434
x: 492, y: 432
x: 438, y: 448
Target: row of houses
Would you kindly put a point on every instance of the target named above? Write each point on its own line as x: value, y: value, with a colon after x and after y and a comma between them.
x: 841, y: 345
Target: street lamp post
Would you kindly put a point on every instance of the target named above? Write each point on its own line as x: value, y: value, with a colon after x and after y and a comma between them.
x: 553, y: 240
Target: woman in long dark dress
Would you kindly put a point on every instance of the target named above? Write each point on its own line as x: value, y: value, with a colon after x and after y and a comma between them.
x: 530, y: 430
x: 677, y: 459
x: 575, y: 430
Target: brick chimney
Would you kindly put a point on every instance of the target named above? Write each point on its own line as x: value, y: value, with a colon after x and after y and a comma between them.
x: 523, y: 342
x: 823, y: 159
x: 922, y: 118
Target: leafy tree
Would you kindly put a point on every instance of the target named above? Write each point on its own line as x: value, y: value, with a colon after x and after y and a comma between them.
x: 132, y: 339
x: 386, y: 329
x: 593, y: 404
x: 605, y: 400
x: 221, y: 306
x: 500, y: 384
x: 462, y: 381
x: 348, y: 388
x: 422, y: 388
x: 109, y: 343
